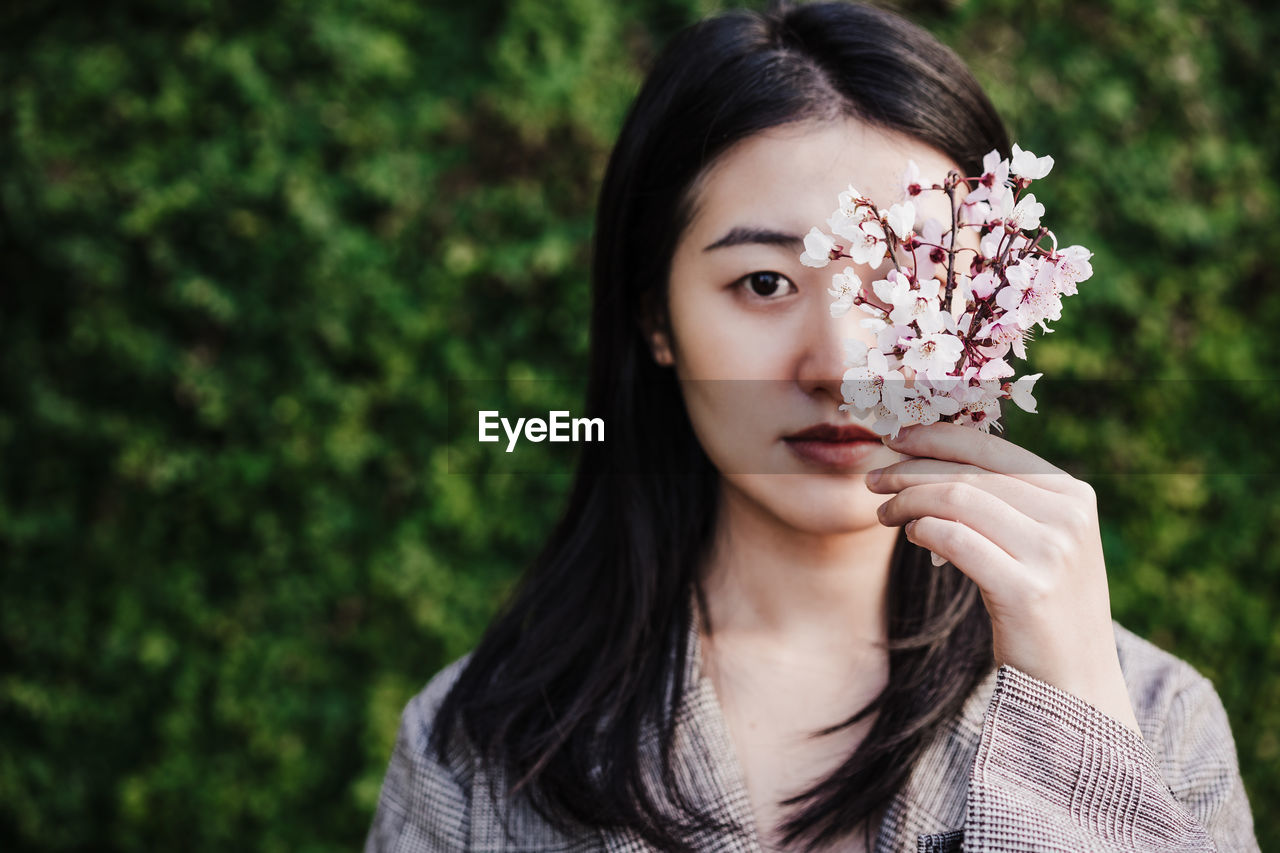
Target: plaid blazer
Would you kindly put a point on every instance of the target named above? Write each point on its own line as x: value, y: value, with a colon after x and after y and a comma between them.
x: 1024, y: 766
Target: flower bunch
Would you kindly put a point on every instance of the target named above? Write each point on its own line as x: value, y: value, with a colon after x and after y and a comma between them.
x: 955, y: 302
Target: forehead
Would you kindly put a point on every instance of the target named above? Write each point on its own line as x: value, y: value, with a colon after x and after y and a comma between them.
x: 790, y: 176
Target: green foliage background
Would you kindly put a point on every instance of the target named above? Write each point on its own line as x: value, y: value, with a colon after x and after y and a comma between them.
x: 245, y: 248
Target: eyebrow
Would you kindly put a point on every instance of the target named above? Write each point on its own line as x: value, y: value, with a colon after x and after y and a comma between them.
x: 745, y: 235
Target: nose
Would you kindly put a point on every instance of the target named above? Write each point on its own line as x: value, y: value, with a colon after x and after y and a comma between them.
x: 821, y: 366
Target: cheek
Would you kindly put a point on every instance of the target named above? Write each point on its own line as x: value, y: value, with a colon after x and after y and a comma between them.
x: 735, y: 421
x: 717, y: 338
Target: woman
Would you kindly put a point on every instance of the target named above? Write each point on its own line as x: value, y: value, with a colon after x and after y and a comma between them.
x: 735, y: 638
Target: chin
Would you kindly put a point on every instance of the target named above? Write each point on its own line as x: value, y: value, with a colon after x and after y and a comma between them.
x: 832, y: 521
x: 823, y: 505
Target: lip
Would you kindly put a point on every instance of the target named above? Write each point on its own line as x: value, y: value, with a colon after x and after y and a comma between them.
x: 832, y: 446
x: 834, y: 432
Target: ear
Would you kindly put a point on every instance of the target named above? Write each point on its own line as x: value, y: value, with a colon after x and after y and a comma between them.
x: 657, y: 332
x: 660, y: 344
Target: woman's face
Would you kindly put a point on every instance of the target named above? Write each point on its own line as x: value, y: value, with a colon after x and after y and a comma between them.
x: 753, y: 343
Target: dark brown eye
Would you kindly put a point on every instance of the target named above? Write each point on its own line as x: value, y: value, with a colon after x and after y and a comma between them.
x: 767, y: 284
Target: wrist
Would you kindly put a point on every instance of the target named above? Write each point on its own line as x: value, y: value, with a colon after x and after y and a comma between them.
x: 1106, y: 690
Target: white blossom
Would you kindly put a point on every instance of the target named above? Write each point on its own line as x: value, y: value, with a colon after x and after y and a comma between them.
x: 1030, y: 295
x: 970, y: 394
x: 989, y: 245
x: 984, y: 284
x: 988, y: 408
x: 960, y: 295
x: 850, y: 212
x: 1004, y: 332
x: 868, y: 244
x: 855, y: 352
x: 911, y: 178
x: 993, y: 185
x: 934, y: 354
x: 996, y: 368
x: 901, y: 218
x: 1027, y: 165
x: 975, y: 211
x: 862, y: 384
x: 1073, y: 267
x: 1020, y: 392
x: 919, y: 406
x: 1026, y: 213
x: 910, y: 304
x: 844, y: 287
x: 817, y: 249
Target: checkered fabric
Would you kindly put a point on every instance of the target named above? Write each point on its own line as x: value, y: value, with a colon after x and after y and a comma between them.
x: 1022, y: 767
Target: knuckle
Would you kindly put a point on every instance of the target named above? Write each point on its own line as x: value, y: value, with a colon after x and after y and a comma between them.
x: 1038, y: 589
x: 1086, y: 492
x: 955, y: 494
x: 1078, y: 520
x: 948, y: 536
x: 989, y: 456
x: 970, y: 477
x: 1056, y: 550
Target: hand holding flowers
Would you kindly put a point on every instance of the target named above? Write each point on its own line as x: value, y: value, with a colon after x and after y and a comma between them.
x: 947, y: 317
x: 1027, y: 534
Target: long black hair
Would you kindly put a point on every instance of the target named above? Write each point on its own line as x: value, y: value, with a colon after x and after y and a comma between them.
x: 579, y: 662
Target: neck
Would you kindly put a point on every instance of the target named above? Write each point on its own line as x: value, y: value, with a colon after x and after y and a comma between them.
x: 812, y: 595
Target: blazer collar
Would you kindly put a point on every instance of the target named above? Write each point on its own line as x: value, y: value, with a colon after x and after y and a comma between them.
x: 926, y: 813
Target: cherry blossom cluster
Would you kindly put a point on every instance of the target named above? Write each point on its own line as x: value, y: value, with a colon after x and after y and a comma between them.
x: 955, y: 302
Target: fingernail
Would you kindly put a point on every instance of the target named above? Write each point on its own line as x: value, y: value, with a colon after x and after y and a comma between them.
x: 873, y: 477
x: 882, y: 509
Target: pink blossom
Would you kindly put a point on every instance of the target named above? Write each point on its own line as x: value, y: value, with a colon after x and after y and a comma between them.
x: 1030, y: 296
x: 1004, y: 332
x: 911, y: 179
x: 1073, y: 267
x: 984, y: 284
x: 931, y: 250
x: 989, y: 245
x: 993, y: 185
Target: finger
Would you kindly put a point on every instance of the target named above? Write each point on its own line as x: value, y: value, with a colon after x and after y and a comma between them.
x: 1033, y: 500
x: 983, y: 561
x: 989, y: 516
x: 958, y: 443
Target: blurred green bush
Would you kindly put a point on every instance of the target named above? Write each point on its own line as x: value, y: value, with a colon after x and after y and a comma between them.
x: 245, y: 249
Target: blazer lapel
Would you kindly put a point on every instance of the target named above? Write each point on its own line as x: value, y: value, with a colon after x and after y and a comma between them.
x: 927, y: 813
x: 704, y: 760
